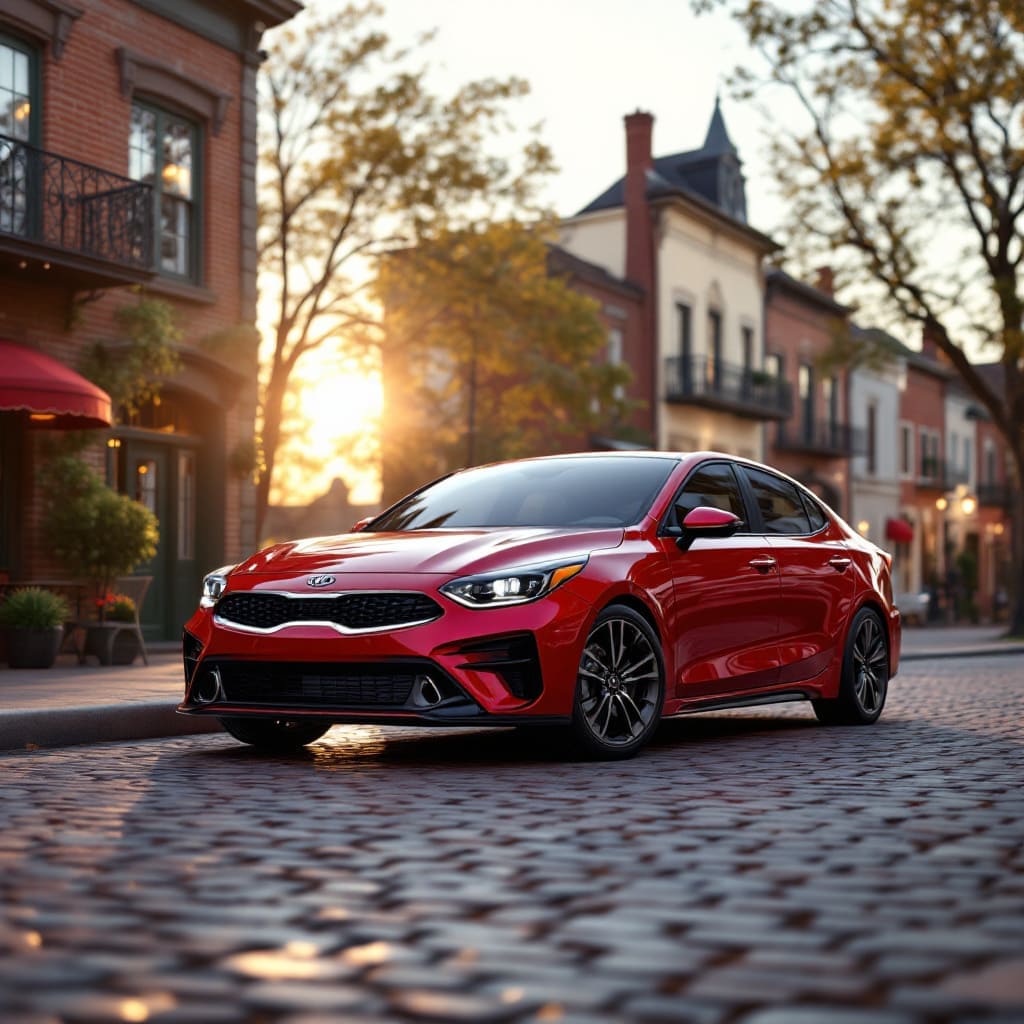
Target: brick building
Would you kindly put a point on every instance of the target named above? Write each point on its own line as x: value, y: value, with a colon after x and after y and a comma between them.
x: 802, y: 324
x: 127, y: 158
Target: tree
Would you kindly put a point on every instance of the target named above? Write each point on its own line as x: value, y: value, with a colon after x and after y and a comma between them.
x: 908, y: 170
x: 488, y: 354
x: 358, y: 155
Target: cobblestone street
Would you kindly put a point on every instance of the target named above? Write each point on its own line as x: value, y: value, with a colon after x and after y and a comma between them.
x: 748, y: 868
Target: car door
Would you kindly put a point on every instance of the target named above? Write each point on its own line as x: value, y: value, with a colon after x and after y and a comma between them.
x: 817, y: 580
x: 724, y: 620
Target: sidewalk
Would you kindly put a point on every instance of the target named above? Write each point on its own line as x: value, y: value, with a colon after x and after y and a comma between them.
x: 71, y: 703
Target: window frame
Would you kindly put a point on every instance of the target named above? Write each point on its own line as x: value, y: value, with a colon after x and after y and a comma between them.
x: 197, y: 271
x: 667, y: 523
x: 35, y: 83
x: 744, y: 474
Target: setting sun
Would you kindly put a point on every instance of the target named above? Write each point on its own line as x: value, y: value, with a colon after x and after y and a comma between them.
x: 337, y: 406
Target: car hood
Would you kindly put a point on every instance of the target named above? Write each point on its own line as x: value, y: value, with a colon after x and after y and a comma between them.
x: 428, y: 551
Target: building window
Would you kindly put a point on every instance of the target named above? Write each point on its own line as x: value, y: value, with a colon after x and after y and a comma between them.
x: 805, y: 386
x: 906, y: 450
x: 186, y: 506
x: 991, y: 473
x: 714, y: 371
x: 163, y: 151
x: 615, y: 355
x: 19, y: 117
x: 747, y: 339
x: 774, y: 364
x: 685, y: 344
x: 18, y: 109
x: 872, y: 439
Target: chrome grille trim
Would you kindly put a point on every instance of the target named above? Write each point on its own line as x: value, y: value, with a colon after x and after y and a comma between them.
x: 320, y: 596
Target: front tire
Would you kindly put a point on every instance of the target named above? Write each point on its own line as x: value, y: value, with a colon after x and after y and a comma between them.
x: 620, y: 686
x: 864, y: 681
x: 274, y: 735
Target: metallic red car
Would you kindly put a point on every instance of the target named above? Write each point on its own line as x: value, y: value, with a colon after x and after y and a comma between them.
x: 598, y: 592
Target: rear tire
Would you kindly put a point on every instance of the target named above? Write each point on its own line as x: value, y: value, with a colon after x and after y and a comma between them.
x: 274, y: 735
x: 620, y: 686
x: 864, y: 681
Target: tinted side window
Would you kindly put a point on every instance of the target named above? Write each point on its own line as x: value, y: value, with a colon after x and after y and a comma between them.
x: 814, y: 514
x: 715, y: 486
x: 779, y: 502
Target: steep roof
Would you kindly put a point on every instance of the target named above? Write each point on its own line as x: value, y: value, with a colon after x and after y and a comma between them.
x: 691, y: 174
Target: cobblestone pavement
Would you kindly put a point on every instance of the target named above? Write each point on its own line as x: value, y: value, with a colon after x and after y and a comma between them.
x: 748, y: 868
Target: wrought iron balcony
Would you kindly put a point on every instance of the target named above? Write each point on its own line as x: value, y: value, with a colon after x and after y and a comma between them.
x: 821, y: 437
x: 736, y: 389
x: 940, y: 475
x: 995, y: 496
x: 65, y: 219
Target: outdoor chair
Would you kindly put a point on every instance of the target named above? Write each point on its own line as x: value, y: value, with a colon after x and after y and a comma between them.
x: 136, y: 588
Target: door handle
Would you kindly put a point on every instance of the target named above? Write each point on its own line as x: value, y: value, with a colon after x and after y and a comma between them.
x: 839, y: 564
x: 763, y: 563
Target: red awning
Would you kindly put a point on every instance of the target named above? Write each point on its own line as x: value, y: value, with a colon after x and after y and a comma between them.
x: 899, y: 530
x: 52, y: 394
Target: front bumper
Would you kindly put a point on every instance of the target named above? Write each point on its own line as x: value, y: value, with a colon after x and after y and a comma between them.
x: 470, y: 666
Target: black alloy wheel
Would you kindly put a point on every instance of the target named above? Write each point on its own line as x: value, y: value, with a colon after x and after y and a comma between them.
x: 865, y: 675
x: 620, y: 686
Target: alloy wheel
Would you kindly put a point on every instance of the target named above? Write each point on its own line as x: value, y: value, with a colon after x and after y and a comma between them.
x: 870, y: 665
x: 619, y: 682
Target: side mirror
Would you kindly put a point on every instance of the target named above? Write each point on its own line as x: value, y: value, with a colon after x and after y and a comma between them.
x: 705, y: 521
x: 362, y: 524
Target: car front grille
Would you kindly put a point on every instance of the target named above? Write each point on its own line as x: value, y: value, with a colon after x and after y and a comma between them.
x: 319, y: 685
x: 356, y: 611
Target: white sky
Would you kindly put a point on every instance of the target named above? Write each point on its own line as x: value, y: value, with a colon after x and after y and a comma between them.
x: 589, y: 63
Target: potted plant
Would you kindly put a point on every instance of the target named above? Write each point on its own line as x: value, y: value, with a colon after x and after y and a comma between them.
x: 34, y: 621
x: 121, y: 608
x: 98, y: 533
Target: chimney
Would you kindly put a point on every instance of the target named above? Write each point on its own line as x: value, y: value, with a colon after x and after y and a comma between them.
x: 640, y: 250
x: 639, y: 233
x: 929, y: 346
x: 825, y: 281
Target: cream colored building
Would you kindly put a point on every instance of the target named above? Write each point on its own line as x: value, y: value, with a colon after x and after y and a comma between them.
x: 676, y: 226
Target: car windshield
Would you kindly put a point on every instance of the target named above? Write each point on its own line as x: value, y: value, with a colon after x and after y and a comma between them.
x: 612, y: 491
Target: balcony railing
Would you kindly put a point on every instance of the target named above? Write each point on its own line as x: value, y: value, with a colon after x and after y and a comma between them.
x: 821, y: 437
x: 736, y: 389
x: 940, y: 474
x: 995, y: 496
x: 78, y: 217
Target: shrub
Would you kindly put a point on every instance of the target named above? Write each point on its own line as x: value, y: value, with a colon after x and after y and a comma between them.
x: 96, y: 532
x: 33, y: 608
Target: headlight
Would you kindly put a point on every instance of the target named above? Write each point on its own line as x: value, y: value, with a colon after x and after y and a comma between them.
x: 214, y: 584
x: 511, y: 586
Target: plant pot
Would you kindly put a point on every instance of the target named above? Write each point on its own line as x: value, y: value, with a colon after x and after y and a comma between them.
x: 33, y: 648
x: 125, y: 648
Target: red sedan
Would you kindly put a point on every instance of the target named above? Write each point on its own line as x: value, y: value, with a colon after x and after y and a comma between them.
x: 599, y: 593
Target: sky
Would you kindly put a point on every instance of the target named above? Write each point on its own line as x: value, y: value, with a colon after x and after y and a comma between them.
x: 589, y: 63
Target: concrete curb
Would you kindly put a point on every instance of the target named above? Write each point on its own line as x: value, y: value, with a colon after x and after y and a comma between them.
x: 67, y: 727
x: 970, y: 652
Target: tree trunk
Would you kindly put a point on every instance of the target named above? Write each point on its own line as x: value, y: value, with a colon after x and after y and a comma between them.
x: 272, y: 407
x: 1016, y: 595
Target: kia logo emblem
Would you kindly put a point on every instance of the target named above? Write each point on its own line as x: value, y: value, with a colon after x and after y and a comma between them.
x: 319, y: 581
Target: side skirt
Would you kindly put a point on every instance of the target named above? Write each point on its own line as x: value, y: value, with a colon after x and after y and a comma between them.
x: 723, y: 703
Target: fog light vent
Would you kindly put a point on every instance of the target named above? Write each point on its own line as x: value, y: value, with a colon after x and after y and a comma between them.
x: 426, y: 693
x: 208, y: 688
